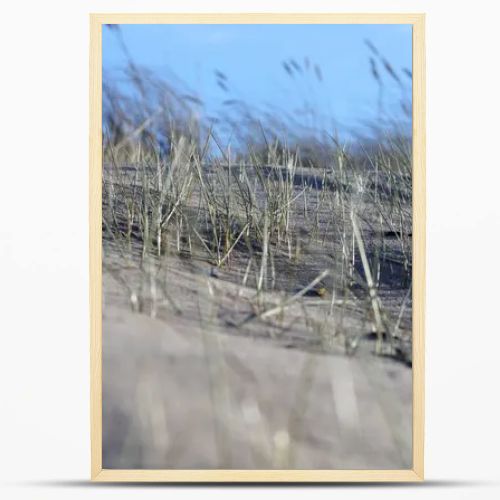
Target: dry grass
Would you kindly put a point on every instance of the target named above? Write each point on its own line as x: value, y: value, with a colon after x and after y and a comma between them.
x: 270, y: 228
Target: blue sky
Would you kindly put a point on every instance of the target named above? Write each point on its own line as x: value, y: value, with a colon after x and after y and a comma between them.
x: 252, y: 58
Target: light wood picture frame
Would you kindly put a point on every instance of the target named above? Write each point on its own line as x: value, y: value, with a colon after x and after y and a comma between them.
x: 413, y: 474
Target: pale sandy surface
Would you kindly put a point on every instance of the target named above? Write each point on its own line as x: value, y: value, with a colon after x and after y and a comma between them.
x: 190, y: 391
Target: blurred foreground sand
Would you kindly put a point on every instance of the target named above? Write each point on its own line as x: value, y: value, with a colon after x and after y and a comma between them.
x: 178, y: 393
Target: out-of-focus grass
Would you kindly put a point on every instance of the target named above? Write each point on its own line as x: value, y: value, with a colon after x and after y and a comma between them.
x: 282, y: 192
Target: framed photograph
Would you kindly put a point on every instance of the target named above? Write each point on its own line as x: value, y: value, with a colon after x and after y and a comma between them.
x: 257, y: 247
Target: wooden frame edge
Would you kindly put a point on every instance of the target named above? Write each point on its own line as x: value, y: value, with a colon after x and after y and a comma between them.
x: 95, y: 242
x: 419, y: 244
x: 253, y: 18
x: 98, y: 474
x: 249, y: 476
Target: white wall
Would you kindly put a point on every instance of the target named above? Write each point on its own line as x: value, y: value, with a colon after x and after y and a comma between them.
x: 43, y: 245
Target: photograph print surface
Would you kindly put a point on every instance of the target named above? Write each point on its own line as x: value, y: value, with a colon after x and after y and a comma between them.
x: 257, y: 246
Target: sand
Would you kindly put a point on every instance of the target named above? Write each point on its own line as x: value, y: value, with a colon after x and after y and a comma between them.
x: 192, y: 391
